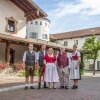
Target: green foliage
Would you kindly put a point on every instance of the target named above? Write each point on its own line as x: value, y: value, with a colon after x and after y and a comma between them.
x: 22, y: 73
x: 36, y: 73
x: 91, y: 46
x: 91, y: 66
x: 82, y: 66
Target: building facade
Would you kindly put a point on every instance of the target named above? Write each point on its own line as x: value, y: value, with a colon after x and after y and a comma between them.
x: 68, y: 39
x: 38, y: 29
x: 14, y: 14
x: 12, y: 20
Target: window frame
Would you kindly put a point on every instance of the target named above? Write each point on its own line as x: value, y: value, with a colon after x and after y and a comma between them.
x: 41, y: 23
x: 44, y: 36
x: 65, y: 42
x: 15, y: 25
x: 75, y: 42
x: 32, y: 35
x: 36, y: 22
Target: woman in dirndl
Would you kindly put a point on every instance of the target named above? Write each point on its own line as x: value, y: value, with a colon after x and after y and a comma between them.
x: 75, y: 68
x: 51, y: 75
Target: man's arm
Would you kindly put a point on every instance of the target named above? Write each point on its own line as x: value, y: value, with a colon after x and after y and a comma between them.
x: 37, y: 59
x: 24, y: 59
x: 36, y: 56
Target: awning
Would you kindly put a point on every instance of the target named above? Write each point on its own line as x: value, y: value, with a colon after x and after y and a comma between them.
x: 23, y: 41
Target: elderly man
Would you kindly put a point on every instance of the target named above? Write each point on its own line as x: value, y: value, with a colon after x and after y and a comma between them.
x: 63, y: 70
x: 29, y: 61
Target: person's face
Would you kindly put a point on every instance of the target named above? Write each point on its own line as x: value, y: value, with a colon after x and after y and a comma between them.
x: 43, y: 47
x: 62, y: 49
x: 74, y: 48
x: 30, y: 47
x: 50, y: 51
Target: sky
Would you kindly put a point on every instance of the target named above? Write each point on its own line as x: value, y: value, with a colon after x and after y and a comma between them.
x: 70, y: 15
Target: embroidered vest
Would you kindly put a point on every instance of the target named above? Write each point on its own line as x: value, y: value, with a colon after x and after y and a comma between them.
x: 30, y: 58
x: 62, y: 60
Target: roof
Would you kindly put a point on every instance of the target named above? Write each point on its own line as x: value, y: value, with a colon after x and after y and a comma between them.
x: 76, y: 34
x: 30, y: 9
x: 18, y: 40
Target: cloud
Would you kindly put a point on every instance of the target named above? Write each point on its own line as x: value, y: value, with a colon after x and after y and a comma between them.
x: 84, y: 8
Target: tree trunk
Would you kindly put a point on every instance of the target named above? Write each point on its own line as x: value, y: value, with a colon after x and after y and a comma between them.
x: 94, y: 67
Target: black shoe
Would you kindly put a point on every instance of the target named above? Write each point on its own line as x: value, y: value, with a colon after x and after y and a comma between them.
x: 26, y: 87
x: 32, y: 87
x: 39, y: 86
x: 76, y: 87
x: 66, y: 87
x: 45, y: 85
x: 61, y: 87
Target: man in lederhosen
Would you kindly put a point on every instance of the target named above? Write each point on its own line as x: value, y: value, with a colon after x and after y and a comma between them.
x: 41, y: 55
x: 63, y: 69
x: 29, y: 61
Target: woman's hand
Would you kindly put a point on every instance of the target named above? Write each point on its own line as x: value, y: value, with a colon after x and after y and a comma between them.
x: 76, y: 67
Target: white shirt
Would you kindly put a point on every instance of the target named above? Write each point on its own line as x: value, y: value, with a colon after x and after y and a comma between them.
x: 78, y: 53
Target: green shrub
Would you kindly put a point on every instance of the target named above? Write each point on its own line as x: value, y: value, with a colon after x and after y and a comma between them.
x: 21, y: 73
x: 82, y: 66
x: 91, y: 66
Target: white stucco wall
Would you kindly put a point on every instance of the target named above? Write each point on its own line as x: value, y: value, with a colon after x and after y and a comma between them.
x: 81, y: 41
x: 8, y: 9
x: 39, y: 29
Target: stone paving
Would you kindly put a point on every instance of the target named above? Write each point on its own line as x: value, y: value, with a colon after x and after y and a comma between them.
x: 89, y: 89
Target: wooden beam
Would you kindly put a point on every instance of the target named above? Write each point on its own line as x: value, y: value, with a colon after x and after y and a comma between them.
x: 19, y: 5
x: 31, y: 13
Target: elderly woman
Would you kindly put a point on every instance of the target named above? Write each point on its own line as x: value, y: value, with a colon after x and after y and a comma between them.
x: 74, y: 69
x: 51, y: 75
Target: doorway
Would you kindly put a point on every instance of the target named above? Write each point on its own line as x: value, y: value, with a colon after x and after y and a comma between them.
x: 12, y: 56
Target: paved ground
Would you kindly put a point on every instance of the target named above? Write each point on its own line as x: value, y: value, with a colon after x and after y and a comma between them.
x: 13, y: 81
x: 89, y: 90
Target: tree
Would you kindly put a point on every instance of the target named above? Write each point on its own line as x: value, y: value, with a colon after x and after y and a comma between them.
x: 91, y: 48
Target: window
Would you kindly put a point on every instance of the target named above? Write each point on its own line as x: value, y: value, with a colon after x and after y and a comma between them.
x: 33, y: 35
x: 40, y: 23
x: 36, y: 22
x: 66, y: 43
x: 44, y: 36
x: 98, y: 65
x: 11, y: 25
x: 76, y: 42
x: 31, y: 22
x: 45, y: 24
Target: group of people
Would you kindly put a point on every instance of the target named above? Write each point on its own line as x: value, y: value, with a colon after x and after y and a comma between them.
x: 54, y: 68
